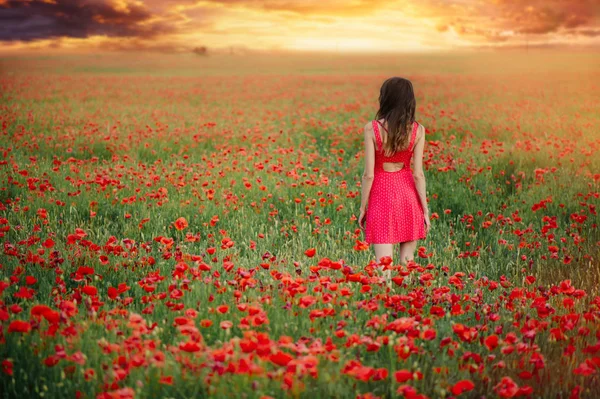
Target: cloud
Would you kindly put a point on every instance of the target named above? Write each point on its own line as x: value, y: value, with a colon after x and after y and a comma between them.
x: 485, y: 20
x: 337, y: 8
x: 587, y: 32
x: 176, y: 25
x: 545, y: 16
x: 43, y: 19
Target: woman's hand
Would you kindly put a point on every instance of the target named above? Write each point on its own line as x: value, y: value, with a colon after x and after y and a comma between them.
x: 362, y: 218
x: 427, y: 223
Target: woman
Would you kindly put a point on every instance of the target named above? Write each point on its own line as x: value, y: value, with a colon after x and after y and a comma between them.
x: 394, y: 205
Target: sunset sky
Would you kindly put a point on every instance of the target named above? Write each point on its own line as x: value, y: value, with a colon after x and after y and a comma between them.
x: 324, y: 25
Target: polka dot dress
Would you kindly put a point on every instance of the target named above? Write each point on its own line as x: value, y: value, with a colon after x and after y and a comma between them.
x: 394, y: 212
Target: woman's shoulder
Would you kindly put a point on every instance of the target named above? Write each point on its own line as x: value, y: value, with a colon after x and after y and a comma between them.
x: 368, y: 129
x: 420, y: 133
x: 420, y: 129
x: 369, y: 125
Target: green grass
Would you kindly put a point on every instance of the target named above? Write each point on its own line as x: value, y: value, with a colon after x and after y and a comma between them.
x: 115, y: 142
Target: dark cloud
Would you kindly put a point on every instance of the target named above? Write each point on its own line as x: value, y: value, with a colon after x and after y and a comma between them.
x: 32, y: 20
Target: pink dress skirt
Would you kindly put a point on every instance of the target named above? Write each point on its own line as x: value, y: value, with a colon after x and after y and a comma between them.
x: 394, y: 212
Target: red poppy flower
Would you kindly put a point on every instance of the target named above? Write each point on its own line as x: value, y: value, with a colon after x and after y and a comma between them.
x: 181, y: 224
x: 19, y: 326
x: 506, y: 388
x: 403, y: 376
x: 281, y: 358
x: 462, y: 387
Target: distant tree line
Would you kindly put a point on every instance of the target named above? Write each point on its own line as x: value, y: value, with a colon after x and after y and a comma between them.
x: 200, y: 50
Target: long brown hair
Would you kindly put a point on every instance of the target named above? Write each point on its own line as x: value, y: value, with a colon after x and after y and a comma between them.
x: 397, y: 106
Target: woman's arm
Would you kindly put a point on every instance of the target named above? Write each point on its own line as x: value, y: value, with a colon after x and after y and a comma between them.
x: 418, y: 173
x: 369, y: 173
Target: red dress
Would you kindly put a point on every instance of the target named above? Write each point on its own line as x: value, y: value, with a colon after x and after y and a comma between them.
x: 394, y: 212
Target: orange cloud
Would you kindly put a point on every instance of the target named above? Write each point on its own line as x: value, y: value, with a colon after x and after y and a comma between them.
x: 337, y: 8
x: 500, y: 20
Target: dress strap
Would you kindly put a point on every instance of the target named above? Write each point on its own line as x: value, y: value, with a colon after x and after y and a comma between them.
x: 378, y: 141
x: 413, y: 135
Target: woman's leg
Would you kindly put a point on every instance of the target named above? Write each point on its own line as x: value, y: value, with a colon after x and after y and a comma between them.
x: 382, y: 250
x: 407, y: 251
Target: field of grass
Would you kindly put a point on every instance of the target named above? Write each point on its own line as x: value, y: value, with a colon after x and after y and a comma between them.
x: 183, y: 226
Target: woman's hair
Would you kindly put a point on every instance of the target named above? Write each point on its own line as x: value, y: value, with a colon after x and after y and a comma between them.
x: 397, y: 105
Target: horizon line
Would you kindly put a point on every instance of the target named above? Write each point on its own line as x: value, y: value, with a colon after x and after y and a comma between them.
x: 240, y: 50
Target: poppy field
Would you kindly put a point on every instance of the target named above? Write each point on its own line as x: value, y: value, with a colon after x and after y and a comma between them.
x: 186, y: 227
